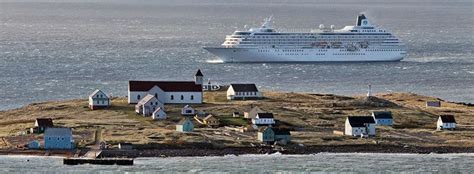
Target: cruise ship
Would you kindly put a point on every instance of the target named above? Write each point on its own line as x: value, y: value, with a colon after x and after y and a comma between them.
x: 363, y: 42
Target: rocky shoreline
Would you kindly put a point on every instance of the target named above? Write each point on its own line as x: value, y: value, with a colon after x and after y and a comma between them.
x: 287, y: 150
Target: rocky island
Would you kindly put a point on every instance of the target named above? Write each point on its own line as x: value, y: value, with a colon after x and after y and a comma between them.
x: 312, y: 118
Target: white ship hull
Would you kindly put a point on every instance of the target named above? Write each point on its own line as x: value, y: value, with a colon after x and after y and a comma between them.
x: 235, y: 55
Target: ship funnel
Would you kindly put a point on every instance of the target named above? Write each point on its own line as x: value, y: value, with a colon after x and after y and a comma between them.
x: 360, y: 19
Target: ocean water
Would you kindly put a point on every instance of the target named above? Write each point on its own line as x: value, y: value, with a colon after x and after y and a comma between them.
x: 64, y: 49
x: 318, y: 163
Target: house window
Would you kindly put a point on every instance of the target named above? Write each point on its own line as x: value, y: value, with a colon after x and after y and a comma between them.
x: 192, y: 97
x: 138, y: 97
x: 97, y: 101
x: 156, y: 95
x: 97, y: 96
x: 182, y: 97
x: 102, y: 101
x: 172, y: 97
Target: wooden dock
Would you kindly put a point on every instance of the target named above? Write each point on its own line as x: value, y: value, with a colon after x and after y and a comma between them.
x: 98, y: 161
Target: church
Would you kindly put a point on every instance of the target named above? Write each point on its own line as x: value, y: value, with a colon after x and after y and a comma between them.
x: 176, y: 92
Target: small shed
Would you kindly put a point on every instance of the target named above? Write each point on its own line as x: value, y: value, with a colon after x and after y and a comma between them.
x: 159, y: 114
x: 187, y: 111
x: 436, y: 104
x: 446, y: 122
x: 34, y: 144
x: 148, y: 105
x: 185, y: 125
x: 58, y: 138
x: 383, y: 118
x: 253, y: 112
x: 265, y: 134
x: 211, y: 120
x: 41, y: 124
x: 98, y: 99
x: 125, y: 146
x: 263, y: 119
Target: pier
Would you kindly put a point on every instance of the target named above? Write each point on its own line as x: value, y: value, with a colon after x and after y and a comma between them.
x: 98, y: 161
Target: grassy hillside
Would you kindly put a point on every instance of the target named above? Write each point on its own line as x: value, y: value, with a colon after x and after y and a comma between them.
x: 313, y: 117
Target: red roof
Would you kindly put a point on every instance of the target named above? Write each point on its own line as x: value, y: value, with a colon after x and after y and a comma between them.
x: 168, y: 86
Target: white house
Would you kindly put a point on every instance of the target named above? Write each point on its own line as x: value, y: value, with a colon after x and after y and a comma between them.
x: 98, y: 99
x: 243, y: 92
x: 383, y: 118
x: 188, y: 111
x: 148, y: 105
x: 178, y: 92
x: 446, y: 122
x: 360, y: 125
x: 263, y: 119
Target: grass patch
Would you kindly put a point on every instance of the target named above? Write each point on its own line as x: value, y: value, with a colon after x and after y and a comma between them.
x: 233, y: 121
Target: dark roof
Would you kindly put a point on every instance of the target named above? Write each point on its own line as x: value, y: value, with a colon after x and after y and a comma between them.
x: 265, y: 115
x: 199, y: 73
x: 165, y: 86
x: 280, y: 131
x: 45, y: 122
x: 182, y: 121
x: 263, y: 128
x: 382, y: 114
x: 359, y: 121
x: 447, y: 118
x: 244, y: 87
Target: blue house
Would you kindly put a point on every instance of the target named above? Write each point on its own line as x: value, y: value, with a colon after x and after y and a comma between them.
x: 58, y: 138
x: 265, y: 134
x: 185, y: 125
x: 383, y: 118
x: 282, y: 135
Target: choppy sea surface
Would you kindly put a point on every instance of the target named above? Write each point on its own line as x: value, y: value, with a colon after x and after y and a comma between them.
x: 64, y: 49
x: 322, y: 163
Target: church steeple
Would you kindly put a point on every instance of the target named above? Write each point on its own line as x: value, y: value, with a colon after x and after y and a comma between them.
x: 199, y: 78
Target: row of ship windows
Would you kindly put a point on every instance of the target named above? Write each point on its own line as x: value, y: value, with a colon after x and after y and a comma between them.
x: 384, y: 50
x: 301, y: 37
x: 262, y: 51
x: 303, y: 42
x: 294, y: 54
x: 348, y: 54
x: 371, y: 31
x: 307, y: 39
